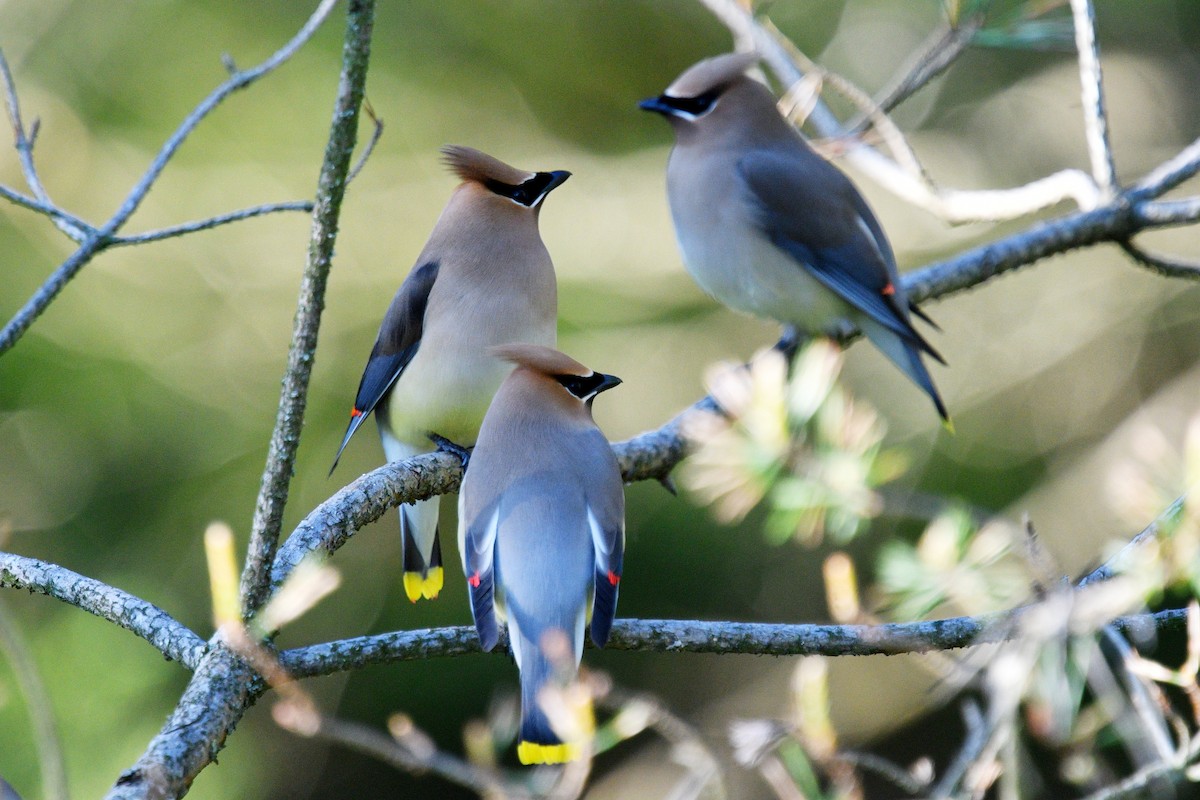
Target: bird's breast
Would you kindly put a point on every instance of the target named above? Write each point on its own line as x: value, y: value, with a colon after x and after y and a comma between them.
x: 731, y: 258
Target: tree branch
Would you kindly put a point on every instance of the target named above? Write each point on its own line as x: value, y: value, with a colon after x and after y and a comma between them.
x: 1095, y: 119
x: 293, y: 398
x: 169, y: 637
x: 211, y: 222
x: 224, y: 684
x: 702, y: 636
x: 96, y: 240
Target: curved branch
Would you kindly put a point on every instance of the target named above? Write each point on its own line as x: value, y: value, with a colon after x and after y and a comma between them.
x: 696, y: 636
x: 174, y: 640
x: 652, y: 455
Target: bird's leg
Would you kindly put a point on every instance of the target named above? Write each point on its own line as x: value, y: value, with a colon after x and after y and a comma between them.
x: 447, y: 446
x: 790, y: 342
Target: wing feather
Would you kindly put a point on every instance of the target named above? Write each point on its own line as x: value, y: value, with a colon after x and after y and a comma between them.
x: 398, y: 341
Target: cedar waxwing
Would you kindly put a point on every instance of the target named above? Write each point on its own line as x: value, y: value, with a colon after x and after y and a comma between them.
x: 770, y: 228
x: 484, y: 278
x: 542, y: 519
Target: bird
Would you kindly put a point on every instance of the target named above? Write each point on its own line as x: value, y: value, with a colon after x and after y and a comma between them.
x: 483, y: 278
x: 770, y: 228
x: 542, y: 527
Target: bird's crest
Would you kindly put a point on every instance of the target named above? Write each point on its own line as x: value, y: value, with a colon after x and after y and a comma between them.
x: 711, y: 73
x: 541, y: 359
x: 473, y: 165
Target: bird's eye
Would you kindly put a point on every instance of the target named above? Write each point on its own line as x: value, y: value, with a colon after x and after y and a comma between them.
x: 694, y: 107
x: 581, y: 386
x: 527, y: 193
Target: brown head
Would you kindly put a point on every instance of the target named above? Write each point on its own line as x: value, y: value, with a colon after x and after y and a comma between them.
x: 547, y: 365
x: 524, y: 188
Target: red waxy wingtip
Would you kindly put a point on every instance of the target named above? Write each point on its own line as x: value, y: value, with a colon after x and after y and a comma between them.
x: 354, y: 412
x: 613, y: 578
x: 889, y: 290
x: 474, y: 580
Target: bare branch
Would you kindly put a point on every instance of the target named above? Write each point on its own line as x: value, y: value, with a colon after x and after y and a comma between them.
x: 374, y: 140
x: 702, y: 636
x: 224, y: 684
x: 1095, y: 119
x: 1171, y: 267
x: 378, y: 745
x: 652, y: 455
x: 1136, y: 785
x: 211, y: 222
x: 1114, y: 565
x: 952, y: 205
x: 24, y: 144
x: 147, y: 620
x: 293, y: 398
x: 54, y: 212
x: 97, y: 239
x: 1169, y: 174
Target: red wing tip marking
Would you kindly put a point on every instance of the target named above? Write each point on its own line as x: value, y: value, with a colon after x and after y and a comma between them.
x: 354, y: 412
x: 474, y: 580
x: 889, y: 290
x: 613, y: 578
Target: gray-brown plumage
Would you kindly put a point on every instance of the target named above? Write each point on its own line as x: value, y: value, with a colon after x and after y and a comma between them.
x: 770, y: 228
x: 484, y: 278
x: 542, y: 525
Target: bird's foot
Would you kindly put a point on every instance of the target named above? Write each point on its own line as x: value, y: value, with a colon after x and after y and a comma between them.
x: 447, y: 446
x: 790, y: 341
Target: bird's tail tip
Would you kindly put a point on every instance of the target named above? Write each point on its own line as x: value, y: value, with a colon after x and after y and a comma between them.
x: 534, y: 753
x: 427, y: 585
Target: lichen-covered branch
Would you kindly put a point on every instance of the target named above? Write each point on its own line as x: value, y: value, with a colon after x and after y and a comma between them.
x: 170, y: 637
x: 224, y: 685
x: 703, y: 636
x: 293, y: 398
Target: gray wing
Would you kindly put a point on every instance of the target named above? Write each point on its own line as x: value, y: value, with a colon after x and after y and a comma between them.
x: 811, y: 211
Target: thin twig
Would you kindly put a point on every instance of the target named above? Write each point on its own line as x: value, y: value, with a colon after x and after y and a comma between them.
x: 24, y: 144
x: 977, y: 735
x: 83, y: 229
x: 885, y: 769
x: 949, y: 204
x: 380, y: 746
x: 41, y: 712
x: 1169, y: 174
x: 1136, y: 785
x: 1120, y: 559
x: 376, y: 134
x: 1095, y: 119
x: 211, y: 222
x: 293, y: 396
x: 941, y: 50
x: 169, y: 637
x: 99, y: 238
x: 1168, y: 266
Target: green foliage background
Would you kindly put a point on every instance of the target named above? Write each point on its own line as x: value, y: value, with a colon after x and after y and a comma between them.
x: 138, y: 408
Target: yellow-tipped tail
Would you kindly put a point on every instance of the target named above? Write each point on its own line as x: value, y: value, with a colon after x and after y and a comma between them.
x: 948, y: 424
x: 533, y: 753
x: 417, y: 585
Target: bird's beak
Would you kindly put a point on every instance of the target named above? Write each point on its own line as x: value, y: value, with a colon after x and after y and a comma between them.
x: 657, y: 105
x: 557, y: 178
x: 608, y: 382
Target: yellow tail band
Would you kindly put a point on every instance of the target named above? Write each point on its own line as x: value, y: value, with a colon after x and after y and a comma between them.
x: 417, y: 585
x: 533, y: 753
